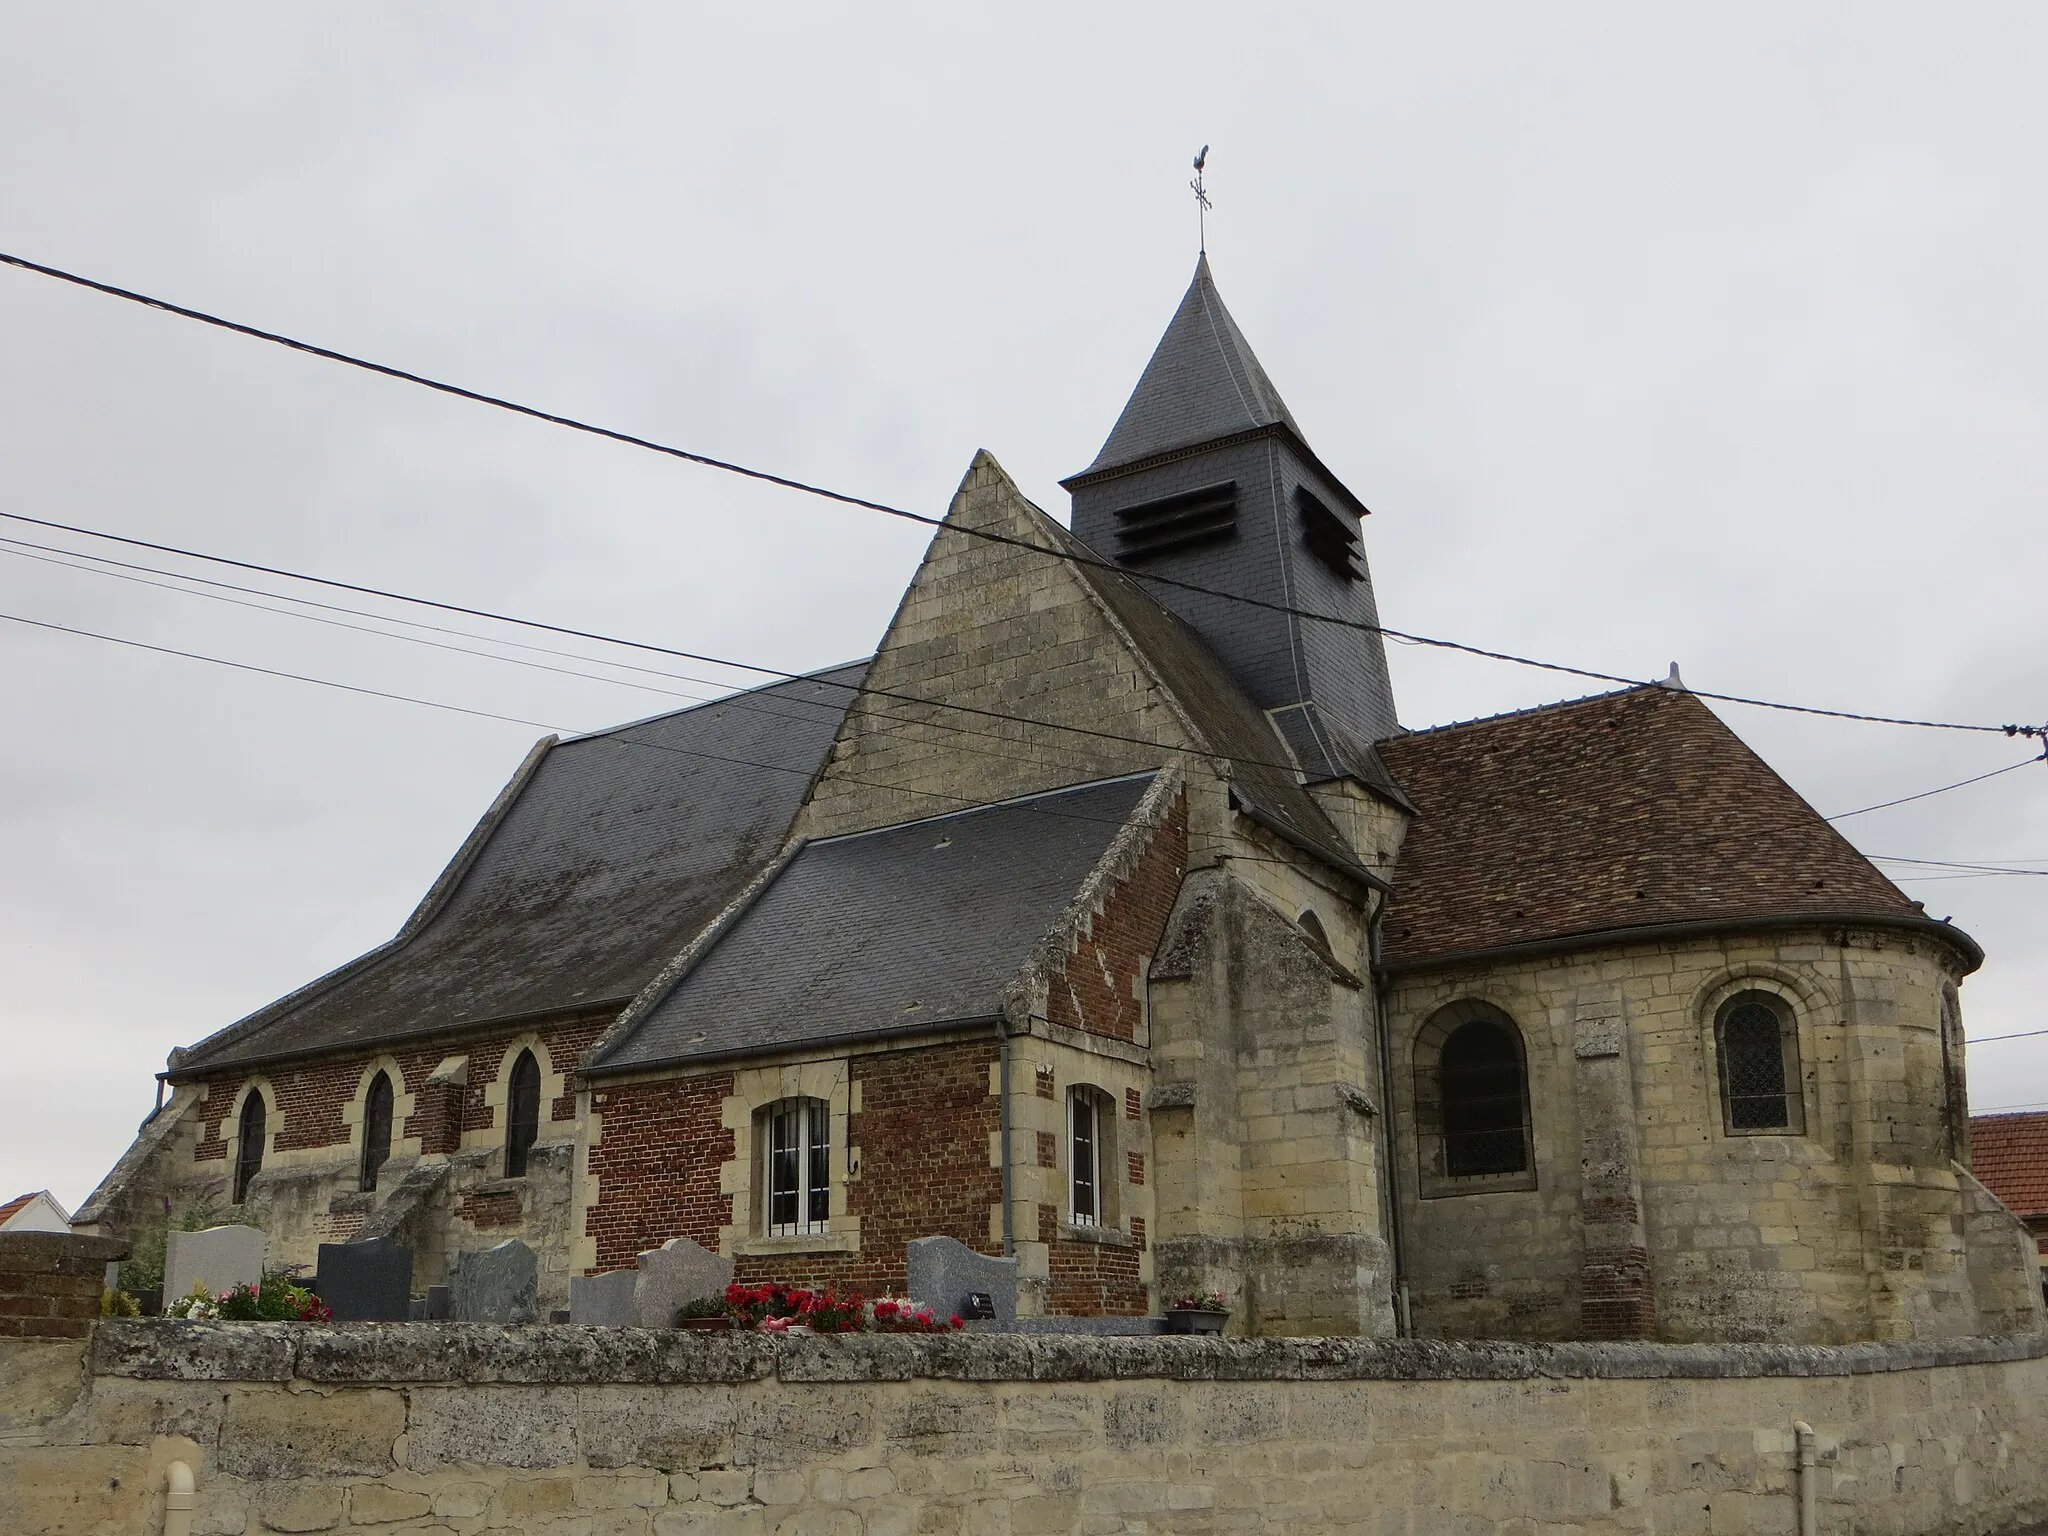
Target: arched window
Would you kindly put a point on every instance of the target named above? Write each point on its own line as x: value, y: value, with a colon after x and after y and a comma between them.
x: 522, y: 1113
x: 797, y: 1148
x: 250, y: 1136
x: 1312, y: 925
x: 1759, y: 1049
x: 1481, y: 1097
x: 376, y: 1129
x: 1091, y: 1121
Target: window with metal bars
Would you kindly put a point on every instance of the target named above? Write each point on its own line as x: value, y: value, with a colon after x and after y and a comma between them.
x: 250, y: 1137
x: 1483, y: 1100
x: 376, y: 1129
x: 522, y: 1114
x: 1088, y: 1125
x: 799, y: 1167
x: 1758, y: 1044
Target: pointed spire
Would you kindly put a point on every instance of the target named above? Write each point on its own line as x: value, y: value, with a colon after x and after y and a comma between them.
x: 1202, y: 383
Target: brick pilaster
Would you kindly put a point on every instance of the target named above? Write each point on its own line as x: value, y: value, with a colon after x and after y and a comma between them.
x: 50, y: 1283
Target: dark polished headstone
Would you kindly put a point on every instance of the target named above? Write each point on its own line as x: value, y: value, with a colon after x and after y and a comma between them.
x: 366, y: 1282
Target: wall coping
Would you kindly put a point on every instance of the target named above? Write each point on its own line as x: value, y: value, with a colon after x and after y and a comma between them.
x: 572, y: 1355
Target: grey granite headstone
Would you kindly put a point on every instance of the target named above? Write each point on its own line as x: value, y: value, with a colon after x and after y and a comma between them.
x: 945, y: 1271
x: 220, y: 1258
x: 366, y: 1282
x: 604, y: 1301
x: 497, y: 1285
x: 675, y: 1274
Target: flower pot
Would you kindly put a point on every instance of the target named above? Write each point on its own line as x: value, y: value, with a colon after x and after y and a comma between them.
x: 1194, y: 1320
x: 705, y: 1324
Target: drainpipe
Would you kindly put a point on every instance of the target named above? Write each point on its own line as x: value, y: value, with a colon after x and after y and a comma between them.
x: 1390, y: 1181
x: 178, y: 1499
x: 1809, y: 1479
x: 1003, y: 1087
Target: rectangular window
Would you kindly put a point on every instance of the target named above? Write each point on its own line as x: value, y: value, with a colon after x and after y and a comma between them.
x: 799, y: 1158
x: 1085, y: 1159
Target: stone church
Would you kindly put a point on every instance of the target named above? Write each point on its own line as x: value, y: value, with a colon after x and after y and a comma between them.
x: 1108, y: 917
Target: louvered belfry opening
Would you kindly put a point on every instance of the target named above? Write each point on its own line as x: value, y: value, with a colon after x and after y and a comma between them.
x: 1185, y: 521
x: 1329, y: 537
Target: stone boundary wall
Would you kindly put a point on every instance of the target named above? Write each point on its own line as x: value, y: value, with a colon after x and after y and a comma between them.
x: 462, y: 1430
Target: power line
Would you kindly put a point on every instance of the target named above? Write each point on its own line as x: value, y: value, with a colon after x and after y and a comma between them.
x: 1944, y: 789
x: 844, y: 498
x: 1982, y: 866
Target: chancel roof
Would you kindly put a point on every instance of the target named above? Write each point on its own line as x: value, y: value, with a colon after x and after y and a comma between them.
x: 1623, y: 810
x: 598, y: 863
x: 2009, y: 1154
x: 911, y: 927
x: 1202, y: 383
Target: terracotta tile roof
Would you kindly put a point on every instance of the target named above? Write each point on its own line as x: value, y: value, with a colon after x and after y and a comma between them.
x: 16, y: 1204
x: 1615, y: 811
x: 2009, y: 1153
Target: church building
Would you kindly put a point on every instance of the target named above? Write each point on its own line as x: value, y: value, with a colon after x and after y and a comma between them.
x: 1108, y: 917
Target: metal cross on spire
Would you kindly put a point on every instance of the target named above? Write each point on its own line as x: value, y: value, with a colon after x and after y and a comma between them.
x: 1201, y: 202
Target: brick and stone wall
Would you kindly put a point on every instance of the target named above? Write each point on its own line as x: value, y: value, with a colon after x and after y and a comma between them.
x: 450, y: 1429
x: 50, y: 1283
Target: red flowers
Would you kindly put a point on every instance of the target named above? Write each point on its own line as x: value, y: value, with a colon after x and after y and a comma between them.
x: 776, y: 1308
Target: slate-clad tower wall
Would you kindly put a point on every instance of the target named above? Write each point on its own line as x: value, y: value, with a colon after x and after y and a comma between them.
x: 1206, y: 480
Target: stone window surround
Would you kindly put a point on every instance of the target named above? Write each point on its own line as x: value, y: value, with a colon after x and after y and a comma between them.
x: 755, y: 1090
x: 499, y: 1089
x: 403, y: 1105
x: 805, y: 1109
x: 1807, y: 1008
x: 1424, y: 1049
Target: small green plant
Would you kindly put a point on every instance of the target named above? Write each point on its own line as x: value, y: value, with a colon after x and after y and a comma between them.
x: 143, y: 1269
x: 706, y: 1306
x: 119, y: 1304
x: 273, y: 1299
x: 1201, y: 1301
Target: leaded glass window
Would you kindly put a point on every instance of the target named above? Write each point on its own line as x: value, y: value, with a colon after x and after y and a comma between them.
x: 1482, y: 1098
x: 250, y: 1136
x: 376, y: 1129
x: 1759, y: 1048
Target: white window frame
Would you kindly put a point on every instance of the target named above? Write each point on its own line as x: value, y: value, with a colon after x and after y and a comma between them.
x: 1088, y: 1161
x: 802, y: 1129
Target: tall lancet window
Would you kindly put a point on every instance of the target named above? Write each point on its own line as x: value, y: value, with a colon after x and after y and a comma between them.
x: 376, y: 1129
x: 250, y: 1137
x: 522, y: 1113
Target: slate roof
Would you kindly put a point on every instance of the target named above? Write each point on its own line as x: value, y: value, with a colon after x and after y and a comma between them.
x: 614, y: 849
x: 1617, y: 811
x: 1262, y: 780
x: 882, y: 933
x: 2009, y: 1155
x: 1202, y: 383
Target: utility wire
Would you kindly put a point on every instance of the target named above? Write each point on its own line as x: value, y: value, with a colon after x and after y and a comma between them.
x: 1985, y: 867
x: 1886, y: 805
x: 574, y: 424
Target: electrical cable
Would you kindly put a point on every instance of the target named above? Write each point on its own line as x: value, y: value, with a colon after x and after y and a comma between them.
x: 1944, y: 789
x: 847, y: 499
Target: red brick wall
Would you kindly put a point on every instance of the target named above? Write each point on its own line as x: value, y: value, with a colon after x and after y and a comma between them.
x: 310, y: 1096
x: 50, y: 1283
x: 656, y: 1162
x: 1095, y: 1280
x: 1098, y: 990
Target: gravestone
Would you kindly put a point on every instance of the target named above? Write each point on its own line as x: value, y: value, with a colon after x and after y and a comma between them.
x: 672, y: 1276
x: 366, y: 1282
x: 944, y: 1272
x: 497, y: 1285
x: 220, y: 1258
x: 604, y: 1301
x: 432, y: 1307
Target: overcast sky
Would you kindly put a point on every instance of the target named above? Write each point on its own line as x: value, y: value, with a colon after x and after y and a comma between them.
x: 1706, y: 334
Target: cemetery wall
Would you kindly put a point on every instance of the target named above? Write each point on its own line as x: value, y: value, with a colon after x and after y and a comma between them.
x: 619, y: 1432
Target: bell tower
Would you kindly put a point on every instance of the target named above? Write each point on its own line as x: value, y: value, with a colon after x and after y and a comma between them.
x: 1206, y: 479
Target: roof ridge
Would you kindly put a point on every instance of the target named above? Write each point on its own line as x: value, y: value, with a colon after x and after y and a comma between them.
x: 1516, y: 714
x: 723, y: 698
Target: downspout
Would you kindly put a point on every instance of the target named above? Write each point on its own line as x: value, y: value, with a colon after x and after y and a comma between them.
x: 1809, y: 1480
x: 178, y: 1499
x: 1003, y: 1094
x: 1382, y: 991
